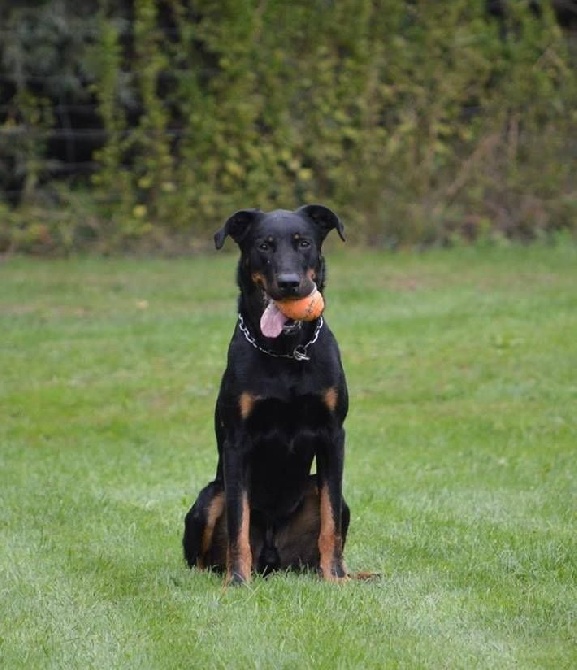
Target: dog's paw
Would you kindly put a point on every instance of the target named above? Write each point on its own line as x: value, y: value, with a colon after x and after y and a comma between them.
x: 335, y: 573
x: 236, y: 579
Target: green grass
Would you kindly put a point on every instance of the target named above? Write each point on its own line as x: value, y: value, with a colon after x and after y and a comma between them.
x: 461, y: 467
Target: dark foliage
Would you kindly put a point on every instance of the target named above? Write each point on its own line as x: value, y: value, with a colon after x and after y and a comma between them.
x: 145, y: 124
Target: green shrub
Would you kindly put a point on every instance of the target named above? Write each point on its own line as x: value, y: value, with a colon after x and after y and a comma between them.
x: 421, y: 123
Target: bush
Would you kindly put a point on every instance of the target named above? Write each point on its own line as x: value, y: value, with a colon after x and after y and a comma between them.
x: 421, y: 123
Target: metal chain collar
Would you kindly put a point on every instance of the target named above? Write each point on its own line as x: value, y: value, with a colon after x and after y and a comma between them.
x: 299, y: 352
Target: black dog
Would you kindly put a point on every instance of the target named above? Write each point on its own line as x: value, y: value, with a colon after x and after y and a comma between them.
x: 282, y: 402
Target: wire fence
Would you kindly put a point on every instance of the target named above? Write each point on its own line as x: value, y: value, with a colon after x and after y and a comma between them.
x: 431, y: 130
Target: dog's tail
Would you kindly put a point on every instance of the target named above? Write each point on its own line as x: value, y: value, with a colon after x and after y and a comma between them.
x: 269, y: 559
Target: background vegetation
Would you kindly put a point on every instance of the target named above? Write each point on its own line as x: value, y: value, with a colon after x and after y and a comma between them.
x: 146, y: 123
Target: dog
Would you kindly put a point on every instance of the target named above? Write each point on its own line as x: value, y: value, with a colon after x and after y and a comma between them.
x: 282, y: 403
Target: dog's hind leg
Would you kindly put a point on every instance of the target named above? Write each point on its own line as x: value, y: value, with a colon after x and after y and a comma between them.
x: 204, y: 540
x: 297, y: 539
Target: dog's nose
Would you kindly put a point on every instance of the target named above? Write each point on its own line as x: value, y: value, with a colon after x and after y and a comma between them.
x: 288, y: 281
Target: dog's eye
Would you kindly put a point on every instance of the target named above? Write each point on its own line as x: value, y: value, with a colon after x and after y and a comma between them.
x: 264, y: 246
x: 304, y: 244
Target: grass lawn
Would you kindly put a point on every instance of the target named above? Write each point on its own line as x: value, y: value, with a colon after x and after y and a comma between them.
x: 461, y: 467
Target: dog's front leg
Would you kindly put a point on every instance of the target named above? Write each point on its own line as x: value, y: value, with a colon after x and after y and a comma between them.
x: 239, y: 558
x: 330, y: 458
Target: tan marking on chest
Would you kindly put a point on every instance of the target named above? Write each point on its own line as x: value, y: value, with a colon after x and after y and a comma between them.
x: 246, y: 403
x: 331, y: 397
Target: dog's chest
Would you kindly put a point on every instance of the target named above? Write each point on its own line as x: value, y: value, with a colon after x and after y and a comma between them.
x: 284, y: 436
x: 291, y: 417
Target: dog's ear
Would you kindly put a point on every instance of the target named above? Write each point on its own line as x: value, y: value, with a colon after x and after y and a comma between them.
x: 237, y: 226
x: 324, y: 219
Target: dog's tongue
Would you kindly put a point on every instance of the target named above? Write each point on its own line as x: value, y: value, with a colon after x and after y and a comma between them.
x: 272, y: 321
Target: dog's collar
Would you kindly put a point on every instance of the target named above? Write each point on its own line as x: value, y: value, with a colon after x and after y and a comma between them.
x: 299, y: 353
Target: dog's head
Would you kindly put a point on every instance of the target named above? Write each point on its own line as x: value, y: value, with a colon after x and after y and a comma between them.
x: 281, y: 250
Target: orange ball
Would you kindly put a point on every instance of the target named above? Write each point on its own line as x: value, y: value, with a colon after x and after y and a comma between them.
x: 303, y: 309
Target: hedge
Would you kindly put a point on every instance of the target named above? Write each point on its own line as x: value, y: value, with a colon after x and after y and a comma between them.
x: 419, y: 122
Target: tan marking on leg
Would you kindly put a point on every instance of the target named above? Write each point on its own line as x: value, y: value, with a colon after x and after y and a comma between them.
x: 245, y: 555
x: 243, y: 561
x: 214, y: 513
x: 327, y: 534
x: 330, y: 544
x: 330, y: 397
